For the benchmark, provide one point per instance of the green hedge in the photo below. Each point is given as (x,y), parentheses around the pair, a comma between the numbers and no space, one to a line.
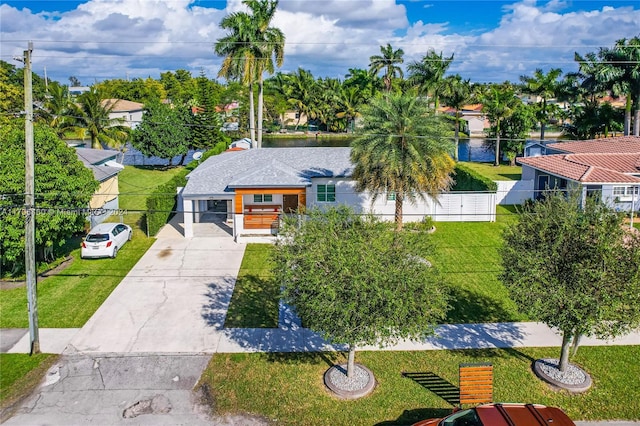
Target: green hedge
(470,180)
(162,203)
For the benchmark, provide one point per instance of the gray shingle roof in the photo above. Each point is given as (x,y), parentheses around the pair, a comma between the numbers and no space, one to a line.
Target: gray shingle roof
(266,167)
(94,160)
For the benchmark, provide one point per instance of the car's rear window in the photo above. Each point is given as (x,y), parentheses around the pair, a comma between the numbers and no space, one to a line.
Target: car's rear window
(97,238)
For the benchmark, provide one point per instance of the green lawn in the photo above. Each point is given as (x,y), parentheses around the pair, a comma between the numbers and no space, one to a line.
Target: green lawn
(465,253)
(69,298)
(20,372)
(255,297)
(288,388)
(136,183)
(502,172)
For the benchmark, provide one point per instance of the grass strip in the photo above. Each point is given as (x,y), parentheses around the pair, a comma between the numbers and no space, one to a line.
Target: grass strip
(20,374)
(502,172)
(255,299)
(288,388)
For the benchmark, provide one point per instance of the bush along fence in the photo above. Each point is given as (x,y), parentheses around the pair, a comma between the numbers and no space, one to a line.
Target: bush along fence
(467,179)
(162,203)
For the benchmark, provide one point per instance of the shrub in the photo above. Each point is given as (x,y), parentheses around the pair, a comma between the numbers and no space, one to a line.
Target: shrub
(467,179)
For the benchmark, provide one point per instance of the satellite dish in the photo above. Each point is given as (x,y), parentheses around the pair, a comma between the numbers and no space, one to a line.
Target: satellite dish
(197,155)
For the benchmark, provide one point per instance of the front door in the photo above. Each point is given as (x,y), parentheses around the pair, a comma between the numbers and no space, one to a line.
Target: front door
(543,185)
(289,203)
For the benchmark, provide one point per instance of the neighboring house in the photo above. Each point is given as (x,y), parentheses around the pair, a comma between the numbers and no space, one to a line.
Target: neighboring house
(252,188)
(535,149)
(294,118)
(241,144)
(130,112)
(103,163)
(476,120)
(609,167)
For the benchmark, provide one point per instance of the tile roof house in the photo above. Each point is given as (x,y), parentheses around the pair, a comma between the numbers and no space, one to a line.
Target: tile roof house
(610,167)
(252,188)
(103,163)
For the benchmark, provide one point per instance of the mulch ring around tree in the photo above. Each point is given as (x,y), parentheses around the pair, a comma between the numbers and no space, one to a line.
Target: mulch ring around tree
(361,384)
(11,284)
(574,379)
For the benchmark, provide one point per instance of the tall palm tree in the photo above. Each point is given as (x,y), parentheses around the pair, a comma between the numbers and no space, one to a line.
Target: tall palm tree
(92,114)
(58,109)
(388,62)
(623,73)
(300,93)
(403,150)
(250,50)
(456,94)
(544,86)
(499,103)
(427,74)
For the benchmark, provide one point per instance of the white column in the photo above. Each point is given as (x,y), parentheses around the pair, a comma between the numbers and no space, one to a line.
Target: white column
(188,218)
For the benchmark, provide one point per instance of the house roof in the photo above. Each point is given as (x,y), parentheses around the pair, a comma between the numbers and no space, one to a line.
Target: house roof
(616,145)
(266,167)
(122,105)
(589,168)
(98,160)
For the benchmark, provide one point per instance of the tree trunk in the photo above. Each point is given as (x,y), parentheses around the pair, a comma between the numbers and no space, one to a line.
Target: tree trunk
(497,162)
(627,116)
(398,212)
(351,361)
(95,143)
(457,137)
(252,115)
(564,353)
(574,346)
(636,118)
(544,117)
(260,112)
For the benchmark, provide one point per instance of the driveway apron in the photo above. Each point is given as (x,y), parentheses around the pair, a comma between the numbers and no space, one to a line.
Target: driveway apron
(174,300)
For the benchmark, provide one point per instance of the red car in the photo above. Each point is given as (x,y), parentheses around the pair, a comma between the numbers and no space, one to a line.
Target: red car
(503,415)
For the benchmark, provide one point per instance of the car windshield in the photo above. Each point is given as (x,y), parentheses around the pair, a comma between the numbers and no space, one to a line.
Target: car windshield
(462,418)
(97,238)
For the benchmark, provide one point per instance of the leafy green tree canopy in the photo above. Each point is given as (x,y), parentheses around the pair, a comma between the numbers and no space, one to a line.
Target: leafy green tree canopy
(164,131)
(356,282)
(63,185)
(573,266)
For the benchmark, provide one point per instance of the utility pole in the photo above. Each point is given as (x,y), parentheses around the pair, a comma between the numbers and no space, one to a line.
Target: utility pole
(29,206)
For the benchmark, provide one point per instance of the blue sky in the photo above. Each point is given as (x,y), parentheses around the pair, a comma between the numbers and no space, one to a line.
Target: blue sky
(492,40)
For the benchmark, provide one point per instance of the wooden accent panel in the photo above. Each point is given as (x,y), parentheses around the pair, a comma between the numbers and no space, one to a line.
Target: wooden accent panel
(240,192)
(476,383)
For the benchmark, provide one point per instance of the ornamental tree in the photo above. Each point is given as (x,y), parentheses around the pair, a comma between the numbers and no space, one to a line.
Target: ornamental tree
(63,186)
(356,282)
(164,131)
(571,264)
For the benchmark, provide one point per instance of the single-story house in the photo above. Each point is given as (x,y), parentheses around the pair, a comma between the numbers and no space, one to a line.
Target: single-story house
(252,188)
(476,120)
(103,163)
(130,112)
(609,167)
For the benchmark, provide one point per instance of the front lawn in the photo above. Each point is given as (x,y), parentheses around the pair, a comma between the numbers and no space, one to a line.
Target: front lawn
(20,374)
(69,298)
(288,388)
(502,172)
(465,252)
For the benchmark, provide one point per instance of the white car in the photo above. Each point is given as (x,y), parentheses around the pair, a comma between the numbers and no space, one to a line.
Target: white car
(105,240)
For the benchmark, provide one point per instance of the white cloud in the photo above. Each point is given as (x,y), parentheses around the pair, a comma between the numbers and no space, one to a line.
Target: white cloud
(139,38)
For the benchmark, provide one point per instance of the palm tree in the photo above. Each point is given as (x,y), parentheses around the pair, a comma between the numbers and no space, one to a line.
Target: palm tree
(92,114)
(350,101)
(250,50)
(427,75)
(403,150)
(300,88)
(623,74)
(387,61)
(544,86)
(499,102)
(456,94)
(58,109)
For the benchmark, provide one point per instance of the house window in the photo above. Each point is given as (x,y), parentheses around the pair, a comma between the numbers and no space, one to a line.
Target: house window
(391,196)
(326,193)
(262,198)
(625,192)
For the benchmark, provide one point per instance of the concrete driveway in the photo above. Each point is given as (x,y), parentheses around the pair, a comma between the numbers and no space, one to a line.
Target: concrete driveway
(174,300)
